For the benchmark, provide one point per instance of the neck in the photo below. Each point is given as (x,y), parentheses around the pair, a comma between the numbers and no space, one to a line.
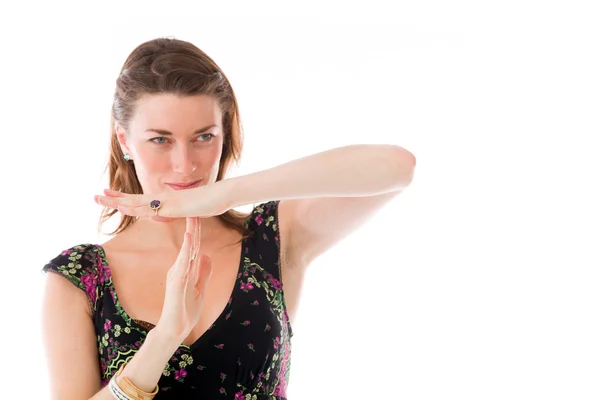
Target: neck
(153,234)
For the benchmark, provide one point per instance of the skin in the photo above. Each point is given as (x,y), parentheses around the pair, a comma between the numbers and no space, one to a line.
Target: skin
(313,217)
(308,226)
(140,257)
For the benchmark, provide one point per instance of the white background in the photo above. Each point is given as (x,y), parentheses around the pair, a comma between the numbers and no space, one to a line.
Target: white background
(480,281)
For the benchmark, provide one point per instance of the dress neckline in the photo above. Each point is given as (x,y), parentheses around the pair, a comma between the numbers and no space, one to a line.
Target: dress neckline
(147,326)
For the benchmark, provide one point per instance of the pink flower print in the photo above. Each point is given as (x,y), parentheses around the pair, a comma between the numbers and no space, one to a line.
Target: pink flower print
(259,219)
(220,346)
(107,325)
(200,367)
(245,323)
(223,377)
(267,327)
(180,374)
(89,282)
(239,363)
(251,346)
(276,343)
(223,391)
(277,238)
(254,303)
(246,287)
(276,284)
(239,396)
(103,271)
(228,315)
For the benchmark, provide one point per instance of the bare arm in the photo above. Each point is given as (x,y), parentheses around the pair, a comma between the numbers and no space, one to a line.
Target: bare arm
(72,350)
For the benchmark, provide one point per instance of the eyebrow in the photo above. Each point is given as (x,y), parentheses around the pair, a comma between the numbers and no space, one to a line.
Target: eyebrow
(167,133)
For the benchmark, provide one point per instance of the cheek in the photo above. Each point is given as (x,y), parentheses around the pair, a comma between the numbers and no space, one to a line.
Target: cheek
(211,161)
(214,156)
(150,160)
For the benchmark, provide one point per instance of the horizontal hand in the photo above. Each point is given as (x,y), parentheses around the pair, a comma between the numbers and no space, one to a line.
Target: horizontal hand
(204,201)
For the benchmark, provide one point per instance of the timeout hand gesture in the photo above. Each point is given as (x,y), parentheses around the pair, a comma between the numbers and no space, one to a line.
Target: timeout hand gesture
(204,201)
(186,286)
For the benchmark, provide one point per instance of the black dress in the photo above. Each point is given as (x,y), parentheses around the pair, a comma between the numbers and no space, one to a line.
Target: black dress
(245,354)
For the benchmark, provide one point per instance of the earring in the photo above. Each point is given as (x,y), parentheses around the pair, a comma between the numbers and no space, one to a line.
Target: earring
(126,156)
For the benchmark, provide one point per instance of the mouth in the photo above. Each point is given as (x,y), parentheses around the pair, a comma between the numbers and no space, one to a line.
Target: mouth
(184,185)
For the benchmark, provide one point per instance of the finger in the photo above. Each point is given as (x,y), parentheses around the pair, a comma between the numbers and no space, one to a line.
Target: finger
(196,247)
(183,259)
(125,200)
(190,227)
(113,193)
(196,251)
(137,211)
(198,235)
(191,230)
(193,272)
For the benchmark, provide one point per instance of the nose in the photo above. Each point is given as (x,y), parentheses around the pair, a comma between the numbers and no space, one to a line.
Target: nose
(182,161)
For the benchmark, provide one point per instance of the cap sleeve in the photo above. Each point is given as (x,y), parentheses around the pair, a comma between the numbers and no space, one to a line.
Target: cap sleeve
(264,222)
(80,266)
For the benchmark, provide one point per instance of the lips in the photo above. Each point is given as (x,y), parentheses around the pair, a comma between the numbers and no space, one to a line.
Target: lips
(184,185)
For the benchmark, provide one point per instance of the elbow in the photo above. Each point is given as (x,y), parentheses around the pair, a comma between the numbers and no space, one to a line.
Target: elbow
(404,167)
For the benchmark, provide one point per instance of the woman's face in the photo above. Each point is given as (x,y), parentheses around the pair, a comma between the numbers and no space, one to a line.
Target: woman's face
(174,141)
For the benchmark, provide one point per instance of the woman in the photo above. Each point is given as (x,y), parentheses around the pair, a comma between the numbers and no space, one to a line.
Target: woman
(187,299)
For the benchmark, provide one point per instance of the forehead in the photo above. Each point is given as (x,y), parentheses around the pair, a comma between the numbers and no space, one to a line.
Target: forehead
(169,111)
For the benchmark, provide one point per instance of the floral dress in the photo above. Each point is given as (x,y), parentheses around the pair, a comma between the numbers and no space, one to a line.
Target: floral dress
(245,354)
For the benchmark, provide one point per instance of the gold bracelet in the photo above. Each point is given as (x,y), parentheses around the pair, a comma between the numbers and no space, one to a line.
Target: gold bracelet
(130,389)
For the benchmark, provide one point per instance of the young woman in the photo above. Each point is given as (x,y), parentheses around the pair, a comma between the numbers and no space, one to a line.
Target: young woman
(191,299)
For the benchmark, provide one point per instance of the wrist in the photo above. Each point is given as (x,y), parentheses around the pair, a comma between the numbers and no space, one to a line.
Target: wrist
(145,369)
(161,338)
(225,192)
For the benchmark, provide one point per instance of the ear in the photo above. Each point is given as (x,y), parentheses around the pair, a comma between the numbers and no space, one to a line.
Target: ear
(122,138)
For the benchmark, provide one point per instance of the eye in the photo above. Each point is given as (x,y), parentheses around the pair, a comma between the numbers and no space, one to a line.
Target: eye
(206,137)
(159,140)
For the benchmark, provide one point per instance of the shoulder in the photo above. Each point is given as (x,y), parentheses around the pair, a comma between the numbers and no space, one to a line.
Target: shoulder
(80,264)
(73,260)
(263,224)
(265,214)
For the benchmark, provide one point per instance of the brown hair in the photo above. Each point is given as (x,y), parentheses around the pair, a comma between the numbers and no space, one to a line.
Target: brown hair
(167,65)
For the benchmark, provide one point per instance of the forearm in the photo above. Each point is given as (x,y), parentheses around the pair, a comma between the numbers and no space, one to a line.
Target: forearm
(146,367)
(351,171)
